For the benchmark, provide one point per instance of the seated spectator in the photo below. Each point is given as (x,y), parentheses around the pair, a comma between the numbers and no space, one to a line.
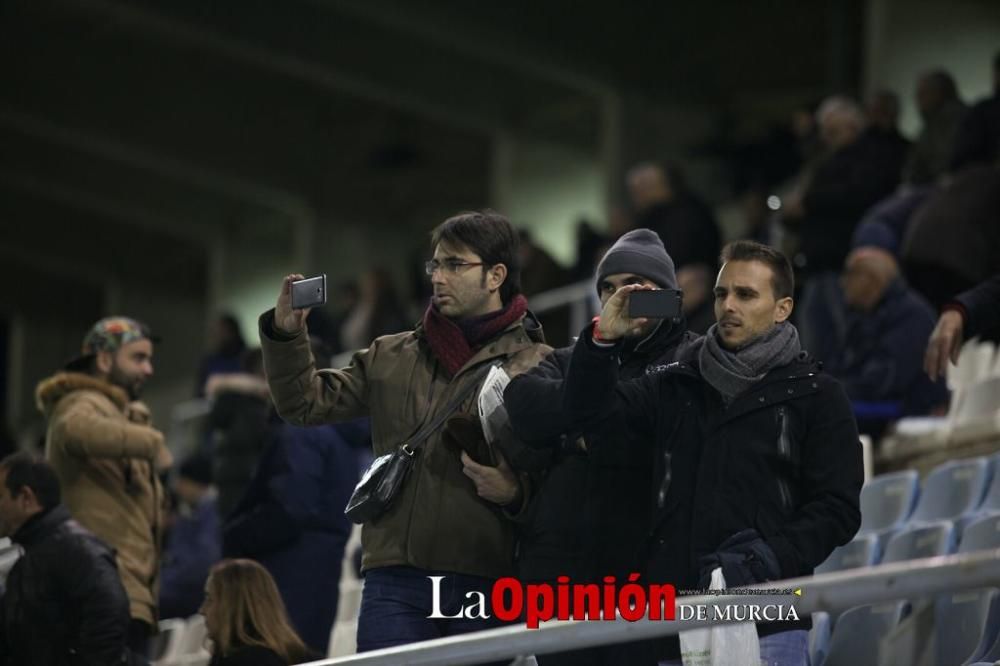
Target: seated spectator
(977,141)
(227,350)
(888,325)
(291,518)
(64,602)
(686,225)
(942,110)
(194,543)
(882,109)
(246,620)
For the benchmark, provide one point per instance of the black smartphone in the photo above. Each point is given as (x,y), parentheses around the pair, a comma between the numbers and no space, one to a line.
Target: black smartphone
(655,304)
(309,293)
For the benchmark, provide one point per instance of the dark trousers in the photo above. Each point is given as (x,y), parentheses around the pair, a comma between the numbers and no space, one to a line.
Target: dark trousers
(138,640)
(397,601)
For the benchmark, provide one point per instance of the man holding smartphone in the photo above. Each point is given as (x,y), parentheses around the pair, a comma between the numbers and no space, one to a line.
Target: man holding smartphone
(763,468)
(589,518)
(437,525)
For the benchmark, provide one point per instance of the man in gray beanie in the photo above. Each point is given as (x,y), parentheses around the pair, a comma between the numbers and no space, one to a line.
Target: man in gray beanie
(588,519)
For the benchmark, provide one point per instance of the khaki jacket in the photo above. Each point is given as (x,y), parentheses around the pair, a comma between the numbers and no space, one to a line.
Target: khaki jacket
(102,448)
(438,522)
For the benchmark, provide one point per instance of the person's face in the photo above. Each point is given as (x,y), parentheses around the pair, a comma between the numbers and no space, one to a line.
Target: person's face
(469,290)
(745,305)
(189,492)
(859,285)
(130,367)
(14,510)
(612,283)
(837,130)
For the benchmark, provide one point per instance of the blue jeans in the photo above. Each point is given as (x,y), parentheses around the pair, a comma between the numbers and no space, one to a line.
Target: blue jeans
(397,601)
(786,648)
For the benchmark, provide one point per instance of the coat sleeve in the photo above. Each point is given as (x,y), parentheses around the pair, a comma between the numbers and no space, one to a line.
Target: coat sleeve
(535,398)
(829,513)
(85,431)
(588,396)
(982,307)
(304,396)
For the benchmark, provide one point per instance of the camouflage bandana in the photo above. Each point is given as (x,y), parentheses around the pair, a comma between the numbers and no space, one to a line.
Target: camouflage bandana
(110,334)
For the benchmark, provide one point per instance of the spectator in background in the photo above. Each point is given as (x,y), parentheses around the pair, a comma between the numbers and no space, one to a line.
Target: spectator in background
(106,453)
(882,109)
(860,169)
(238,429)
(588,245)
(291,518)
(64,602)
(974,313)
(662,202)
(977,141)
(539,271)
(952,241)
(378,311)
(698,302)
(227,347)
(879,360)
(246,620)
(194,542)
(941,110)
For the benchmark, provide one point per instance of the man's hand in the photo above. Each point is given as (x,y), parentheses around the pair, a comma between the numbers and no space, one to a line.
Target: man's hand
(164,460)
(944,344)
(287,320)
(497,484)
(615,322)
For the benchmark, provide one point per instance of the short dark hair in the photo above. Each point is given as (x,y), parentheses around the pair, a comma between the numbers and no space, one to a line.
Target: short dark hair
(782,277)
(27,470)
(490,235)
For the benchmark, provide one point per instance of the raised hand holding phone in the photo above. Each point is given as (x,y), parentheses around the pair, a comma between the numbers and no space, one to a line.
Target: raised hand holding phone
(287,319)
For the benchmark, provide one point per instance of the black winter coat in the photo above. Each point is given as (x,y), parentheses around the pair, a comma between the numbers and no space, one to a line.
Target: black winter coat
(574,524)
(783,458)
(981,307)
(64,604)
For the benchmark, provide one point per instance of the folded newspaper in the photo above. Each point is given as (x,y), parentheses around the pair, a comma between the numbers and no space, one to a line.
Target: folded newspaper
(491,399)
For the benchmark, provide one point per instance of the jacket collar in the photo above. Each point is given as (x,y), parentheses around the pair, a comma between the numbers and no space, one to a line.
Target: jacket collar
(50,391)
(520,335)
(41,525)
(788,382)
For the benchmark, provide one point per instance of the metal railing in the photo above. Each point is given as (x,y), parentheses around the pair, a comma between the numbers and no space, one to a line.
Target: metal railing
(831,592)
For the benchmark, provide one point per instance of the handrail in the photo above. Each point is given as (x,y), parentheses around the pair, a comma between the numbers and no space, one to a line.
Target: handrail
(831,592)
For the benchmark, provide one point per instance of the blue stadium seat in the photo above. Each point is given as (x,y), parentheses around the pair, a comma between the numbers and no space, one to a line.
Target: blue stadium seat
(982,533)
(862,551)
(856,636)
(953,490)
(819,639)
(921,541)
(887,500)
(966,625)
(991,503)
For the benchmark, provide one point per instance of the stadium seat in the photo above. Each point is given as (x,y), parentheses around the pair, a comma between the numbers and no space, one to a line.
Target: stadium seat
(819,639)
(953,490)
(966,625)
(888,500)
(982,533)
(855,638)
(921,541)
(862,551)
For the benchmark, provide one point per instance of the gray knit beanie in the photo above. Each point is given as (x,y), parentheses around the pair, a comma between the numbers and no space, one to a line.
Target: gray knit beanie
(641,252)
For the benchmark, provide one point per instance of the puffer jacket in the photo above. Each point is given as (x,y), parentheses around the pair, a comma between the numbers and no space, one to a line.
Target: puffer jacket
(64,604)
(103,448)
(438,522)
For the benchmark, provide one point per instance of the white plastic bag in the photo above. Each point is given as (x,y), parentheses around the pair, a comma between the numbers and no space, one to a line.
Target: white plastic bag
(725,645)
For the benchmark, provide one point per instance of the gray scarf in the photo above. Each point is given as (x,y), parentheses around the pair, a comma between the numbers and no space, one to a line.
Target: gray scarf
(733,372)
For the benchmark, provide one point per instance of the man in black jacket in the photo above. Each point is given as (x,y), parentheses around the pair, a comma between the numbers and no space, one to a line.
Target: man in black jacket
(590,514)
(762,461)
(64,604)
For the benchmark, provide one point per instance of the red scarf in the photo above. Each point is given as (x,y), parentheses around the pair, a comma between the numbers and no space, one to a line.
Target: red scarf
(454,343)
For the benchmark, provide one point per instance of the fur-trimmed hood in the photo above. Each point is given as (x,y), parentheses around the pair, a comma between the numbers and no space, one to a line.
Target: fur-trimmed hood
(50,391)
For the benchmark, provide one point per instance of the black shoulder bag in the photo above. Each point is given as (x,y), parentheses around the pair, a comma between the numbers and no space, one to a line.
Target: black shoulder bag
(381,482)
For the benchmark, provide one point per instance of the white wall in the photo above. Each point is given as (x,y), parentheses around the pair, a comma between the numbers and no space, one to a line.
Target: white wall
(907,37)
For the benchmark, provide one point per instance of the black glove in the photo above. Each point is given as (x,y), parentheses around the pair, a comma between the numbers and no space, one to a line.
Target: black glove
(745,560)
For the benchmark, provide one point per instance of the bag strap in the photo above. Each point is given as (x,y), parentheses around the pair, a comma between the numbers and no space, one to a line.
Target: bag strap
(415,442)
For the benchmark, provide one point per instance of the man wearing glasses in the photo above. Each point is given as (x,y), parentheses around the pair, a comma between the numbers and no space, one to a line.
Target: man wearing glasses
(439,524)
